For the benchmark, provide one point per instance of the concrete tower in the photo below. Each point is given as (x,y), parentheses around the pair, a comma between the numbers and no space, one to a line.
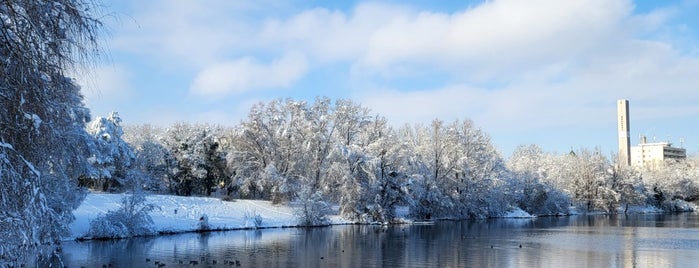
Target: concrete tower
(622,110)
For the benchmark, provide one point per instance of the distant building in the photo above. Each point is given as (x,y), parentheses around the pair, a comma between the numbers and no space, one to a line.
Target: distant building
(653,155)
(648,155)
(622,111)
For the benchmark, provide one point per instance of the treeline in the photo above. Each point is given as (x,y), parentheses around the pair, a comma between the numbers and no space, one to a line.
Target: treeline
(593,182)
(338,153)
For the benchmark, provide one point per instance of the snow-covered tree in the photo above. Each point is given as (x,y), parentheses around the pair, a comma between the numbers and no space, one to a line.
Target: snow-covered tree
(530,187)
(200,164)
(457,172)
(112,158)
(626,181)
(318,140)
(431,165)
(589,180)
(297,139)
(479,175)
(674,181)
(154,161)
(270,140)
(42,118)
(376,182)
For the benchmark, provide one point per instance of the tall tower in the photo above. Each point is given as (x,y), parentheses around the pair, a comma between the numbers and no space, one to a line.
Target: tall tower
(622,110)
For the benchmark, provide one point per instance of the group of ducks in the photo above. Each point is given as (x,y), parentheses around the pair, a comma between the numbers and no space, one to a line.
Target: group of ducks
(195,262)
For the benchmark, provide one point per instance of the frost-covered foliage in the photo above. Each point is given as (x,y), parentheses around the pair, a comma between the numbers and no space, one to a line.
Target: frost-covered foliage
(631,190)
(131,219)
(312,209)
(593,183)
(374,188)
(458,173)
(284,146)
(368,166)
(675,180)
(112,159)
(200,165)
(184,159)
(42,116)
(323,152)
(204,223)
(252,219)
(588,181)
(155,162)
(530,188)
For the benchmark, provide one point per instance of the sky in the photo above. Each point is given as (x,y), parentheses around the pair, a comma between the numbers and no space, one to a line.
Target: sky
(544,72)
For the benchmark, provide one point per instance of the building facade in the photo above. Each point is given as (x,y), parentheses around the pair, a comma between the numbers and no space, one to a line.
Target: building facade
(654,155)
(648,155)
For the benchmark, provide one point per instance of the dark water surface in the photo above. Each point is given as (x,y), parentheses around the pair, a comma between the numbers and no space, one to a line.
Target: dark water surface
(650,240)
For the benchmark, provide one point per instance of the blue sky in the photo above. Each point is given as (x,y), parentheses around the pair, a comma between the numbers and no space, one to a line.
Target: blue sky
(544,72)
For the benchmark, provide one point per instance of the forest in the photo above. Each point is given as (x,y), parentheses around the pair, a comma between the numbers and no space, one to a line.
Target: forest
(326,152)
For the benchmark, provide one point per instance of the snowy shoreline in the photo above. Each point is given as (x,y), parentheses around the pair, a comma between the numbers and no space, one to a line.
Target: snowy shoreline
(178,214)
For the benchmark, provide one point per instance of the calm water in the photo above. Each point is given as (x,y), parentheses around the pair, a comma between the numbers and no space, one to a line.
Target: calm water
(654,240)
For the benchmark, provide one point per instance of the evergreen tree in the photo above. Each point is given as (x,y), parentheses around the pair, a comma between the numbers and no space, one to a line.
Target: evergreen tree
(113,159)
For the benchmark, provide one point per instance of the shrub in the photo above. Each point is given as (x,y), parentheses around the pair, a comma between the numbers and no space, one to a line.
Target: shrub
(312,210)
(204,223)
(252,219)
(131,219)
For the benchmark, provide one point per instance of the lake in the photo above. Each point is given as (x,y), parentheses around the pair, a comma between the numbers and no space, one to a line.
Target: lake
(642,240)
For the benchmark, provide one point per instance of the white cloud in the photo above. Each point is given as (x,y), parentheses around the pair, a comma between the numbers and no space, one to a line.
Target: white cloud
(495,38)
(328,35)
(659,82)
(105,82)
(510,65)
(189,33)
(503,110)
(246,74)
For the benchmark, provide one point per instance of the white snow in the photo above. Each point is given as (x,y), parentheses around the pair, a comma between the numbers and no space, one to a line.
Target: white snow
(518,213)
(181,214)
(640,209)
(6,145)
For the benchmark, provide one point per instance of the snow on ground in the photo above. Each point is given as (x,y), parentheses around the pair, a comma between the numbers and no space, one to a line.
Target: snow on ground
(182,214)
(176,214)
(640,209)
(517,213)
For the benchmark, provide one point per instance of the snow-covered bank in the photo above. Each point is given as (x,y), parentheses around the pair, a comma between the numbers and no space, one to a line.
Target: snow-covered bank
(182,214)
(177,214)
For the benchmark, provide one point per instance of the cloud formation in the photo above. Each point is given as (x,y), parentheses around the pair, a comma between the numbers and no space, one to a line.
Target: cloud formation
(246,74)
(510,65)
(105,82)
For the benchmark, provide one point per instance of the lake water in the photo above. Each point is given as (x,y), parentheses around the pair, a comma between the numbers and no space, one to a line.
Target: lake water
(650,240)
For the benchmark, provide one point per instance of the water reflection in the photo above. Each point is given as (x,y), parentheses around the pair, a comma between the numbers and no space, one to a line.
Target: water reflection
(654,240)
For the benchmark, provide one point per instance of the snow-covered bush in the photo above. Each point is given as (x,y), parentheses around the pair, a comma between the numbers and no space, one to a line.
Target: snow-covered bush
(252,219)
(204,223)
(131,219)
(108,226)
(312,210)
